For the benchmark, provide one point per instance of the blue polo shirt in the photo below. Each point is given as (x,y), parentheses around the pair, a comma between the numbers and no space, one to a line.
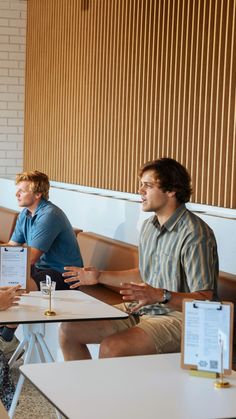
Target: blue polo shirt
(50,231)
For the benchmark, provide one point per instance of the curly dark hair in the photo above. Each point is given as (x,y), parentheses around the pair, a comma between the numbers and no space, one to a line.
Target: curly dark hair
(172,177)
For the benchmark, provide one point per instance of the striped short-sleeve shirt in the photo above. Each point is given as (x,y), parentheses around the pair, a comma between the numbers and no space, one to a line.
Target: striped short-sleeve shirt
(181,255)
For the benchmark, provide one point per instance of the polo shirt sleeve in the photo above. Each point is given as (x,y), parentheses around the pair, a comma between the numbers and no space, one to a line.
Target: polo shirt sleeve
(200,263)
(46,230)
(18,235)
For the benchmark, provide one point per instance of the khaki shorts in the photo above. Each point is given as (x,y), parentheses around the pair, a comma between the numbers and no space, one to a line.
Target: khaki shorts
(165,329)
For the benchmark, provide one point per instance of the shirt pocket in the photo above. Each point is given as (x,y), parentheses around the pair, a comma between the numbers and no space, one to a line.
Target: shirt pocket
(167,269)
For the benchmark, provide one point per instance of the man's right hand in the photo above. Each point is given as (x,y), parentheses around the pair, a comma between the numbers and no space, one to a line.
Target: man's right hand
(82,276)
(9,297)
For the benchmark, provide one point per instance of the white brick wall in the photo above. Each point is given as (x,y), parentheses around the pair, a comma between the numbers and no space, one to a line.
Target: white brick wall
(12,85)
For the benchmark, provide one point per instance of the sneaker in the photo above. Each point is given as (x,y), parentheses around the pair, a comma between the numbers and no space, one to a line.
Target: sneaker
(8,348)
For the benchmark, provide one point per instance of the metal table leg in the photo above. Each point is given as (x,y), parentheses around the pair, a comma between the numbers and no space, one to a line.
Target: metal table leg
(33,341)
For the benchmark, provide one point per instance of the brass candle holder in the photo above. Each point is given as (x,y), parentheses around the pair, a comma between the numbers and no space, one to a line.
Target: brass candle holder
(50,312)
(221,383)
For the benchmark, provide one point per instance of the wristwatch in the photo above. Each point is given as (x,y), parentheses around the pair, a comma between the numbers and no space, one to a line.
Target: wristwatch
(166,296)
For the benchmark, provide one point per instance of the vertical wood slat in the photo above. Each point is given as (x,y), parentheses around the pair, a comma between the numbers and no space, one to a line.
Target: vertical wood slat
(111,84)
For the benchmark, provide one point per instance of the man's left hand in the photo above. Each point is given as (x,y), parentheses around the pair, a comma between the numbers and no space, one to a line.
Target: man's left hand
(143,293)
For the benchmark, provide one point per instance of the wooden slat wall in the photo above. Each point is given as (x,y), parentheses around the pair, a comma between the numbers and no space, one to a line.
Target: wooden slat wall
(111,84)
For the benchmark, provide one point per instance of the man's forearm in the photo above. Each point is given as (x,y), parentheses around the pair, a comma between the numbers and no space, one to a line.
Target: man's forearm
(178,297)
(146,294)
(115,278)
(12,243)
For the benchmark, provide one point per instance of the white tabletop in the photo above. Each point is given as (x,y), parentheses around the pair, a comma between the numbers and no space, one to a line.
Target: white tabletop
(68,305)
(132,387)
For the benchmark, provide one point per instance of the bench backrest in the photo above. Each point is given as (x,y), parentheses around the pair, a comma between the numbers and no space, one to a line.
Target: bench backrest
(227,287)
(105,253)
(8,219)
(108,255)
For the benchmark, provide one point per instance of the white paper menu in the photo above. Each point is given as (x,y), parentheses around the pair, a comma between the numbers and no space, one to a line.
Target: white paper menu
(207,332)
(13,265)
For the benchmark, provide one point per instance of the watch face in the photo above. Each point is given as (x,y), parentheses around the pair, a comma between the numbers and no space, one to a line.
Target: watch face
(166,296)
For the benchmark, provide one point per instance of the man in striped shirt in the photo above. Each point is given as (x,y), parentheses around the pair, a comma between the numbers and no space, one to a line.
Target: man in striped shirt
(177,259)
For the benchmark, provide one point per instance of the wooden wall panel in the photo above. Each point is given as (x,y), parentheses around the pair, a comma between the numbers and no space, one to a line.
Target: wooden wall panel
(111,84)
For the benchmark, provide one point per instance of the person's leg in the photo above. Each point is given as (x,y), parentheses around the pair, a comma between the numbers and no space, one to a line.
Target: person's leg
(74,336)
(38,275)
(153,334)
(8,331)
(9,346)
(7,388)
(133,341)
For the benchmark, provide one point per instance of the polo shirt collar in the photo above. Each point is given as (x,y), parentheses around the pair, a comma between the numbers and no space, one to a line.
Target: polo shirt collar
(172,221)
(40,205)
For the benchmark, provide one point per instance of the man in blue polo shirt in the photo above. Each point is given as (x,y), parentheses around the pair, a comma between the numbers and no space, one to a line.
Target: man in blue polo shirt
(46,229)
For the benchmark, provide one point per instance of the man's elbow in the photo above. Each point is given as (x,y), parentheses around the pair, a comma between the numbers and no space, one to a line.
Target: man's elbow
(35,256)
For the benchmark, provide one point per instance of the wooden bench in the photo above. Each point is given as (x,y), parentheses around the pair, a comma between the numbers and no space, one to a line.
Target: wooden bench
(8,219)
(109,254)
(106,254)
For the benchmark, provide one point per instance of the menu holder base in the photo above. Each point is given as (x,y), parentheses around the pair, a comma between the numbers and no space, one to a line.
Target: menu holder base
(204,374)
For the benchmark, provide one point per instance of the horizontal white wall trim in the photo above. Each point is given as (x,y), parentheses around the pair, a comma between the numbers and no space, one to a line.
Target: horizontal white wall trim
(198,208)
(119,216)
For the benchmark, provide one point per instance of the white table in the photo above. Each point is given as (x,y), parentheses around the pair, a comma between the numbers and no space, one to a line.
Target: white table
(138,387)
(69,306)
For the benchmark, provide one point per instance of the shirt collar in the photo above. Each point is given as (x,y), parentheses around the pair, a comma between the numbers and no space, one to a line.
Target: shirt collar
(40,205)
(172,221)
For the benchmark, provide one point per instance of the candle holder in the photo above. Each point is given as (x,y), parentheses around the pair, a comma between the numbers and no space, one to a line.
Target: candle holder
(50,312)
(221,383)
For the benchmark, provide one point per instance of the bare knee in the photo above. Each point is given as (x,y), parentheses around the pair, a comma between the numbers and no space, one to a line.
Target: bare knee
(66,333)
(111,347)
(70,341)
(133,341)
(77,332)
